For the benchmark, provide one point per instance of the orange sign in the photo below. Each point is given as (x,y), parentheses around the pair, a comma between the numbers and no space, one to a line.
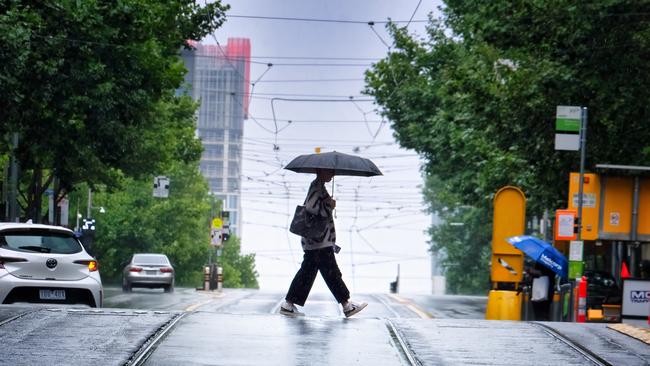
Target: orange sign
(565,224)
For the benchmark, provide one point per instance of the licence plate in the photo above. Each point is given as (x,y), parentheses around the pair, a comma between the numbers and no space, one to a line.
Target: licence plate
(151,272)
(51,294)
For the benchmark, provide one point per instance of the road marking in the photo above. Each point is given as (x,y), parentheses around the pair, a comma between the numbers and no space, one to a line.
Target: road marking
(387,305)
(214,296)
(411,306)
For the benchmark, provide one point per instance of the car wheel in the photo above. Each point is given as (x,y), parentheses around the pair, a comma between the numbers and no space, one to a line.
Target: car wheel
(169,288)
(126,287)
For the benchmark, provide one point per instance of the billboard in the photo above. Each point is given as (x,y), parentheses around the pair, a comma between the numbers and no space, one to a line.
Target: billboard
(636,298)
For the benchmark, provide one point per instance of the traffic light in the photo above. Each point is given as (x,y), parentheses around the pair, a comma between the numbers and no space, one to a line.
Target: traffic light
(225,234)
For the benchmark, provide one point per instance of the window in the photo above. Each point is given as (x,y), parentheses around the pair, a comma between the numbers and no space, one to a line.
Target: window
(212,135)
(235,135)
(233,218)
(233,169)
(213,152)
(232,202)
(153,259)
(234,150)
(216,184)
(212,168)
(233,184)
(40,241)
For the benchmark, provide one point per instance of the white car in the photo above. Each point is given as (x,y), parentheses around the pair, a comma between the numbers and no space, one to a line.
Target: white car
(46,264)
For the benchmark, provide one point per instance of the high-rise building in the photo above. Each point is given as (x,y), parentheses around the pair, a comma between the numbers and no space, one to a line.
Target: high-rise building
(219,78)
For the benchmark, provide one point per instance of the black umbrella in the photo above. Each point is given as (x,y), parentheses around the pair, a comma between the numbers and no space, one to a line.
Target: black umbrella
(341,164)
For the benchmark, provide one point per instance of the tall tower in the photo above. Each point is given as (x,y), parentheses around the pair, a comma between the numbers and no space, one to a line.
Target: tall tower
(219,78)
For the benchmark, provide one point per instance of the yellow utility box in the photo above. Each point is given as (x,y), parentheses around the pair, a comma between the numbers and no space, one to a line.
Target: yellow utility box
(509,220)
(644,210)
(590,204)
(503,305)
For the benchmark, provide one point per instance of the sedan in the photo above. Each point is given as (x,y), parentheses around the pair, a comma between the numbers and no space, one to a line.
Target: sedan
(148,270)
(46,264)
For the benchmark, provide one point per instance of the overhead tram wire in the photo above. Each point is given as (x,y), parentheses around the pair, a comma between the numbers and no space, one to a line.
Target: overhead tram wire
(316,20)
(414,11)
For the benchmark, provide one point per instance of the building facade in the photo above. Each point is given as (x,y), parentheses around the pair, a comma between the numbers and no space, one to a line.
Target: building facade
(219,78)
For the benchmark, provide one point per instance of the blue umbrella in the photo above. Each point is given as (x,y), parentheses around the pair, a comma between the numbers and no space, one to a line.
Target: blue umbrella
(542,252)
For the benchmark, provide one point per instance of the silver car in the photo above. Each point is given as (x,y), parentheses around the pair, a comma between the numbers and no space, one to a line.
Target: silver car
(46,264)
(148,270)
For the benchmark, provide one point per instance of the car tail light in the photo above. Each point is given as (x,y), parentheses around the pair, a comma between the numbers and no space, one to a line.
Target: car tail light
(166,270)
(135,269)
(4,260)
(92,264)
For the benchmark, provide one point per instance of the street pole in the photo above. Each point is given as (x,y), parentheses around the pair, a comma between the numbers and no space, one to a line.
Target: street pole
(583,154)
(90,203)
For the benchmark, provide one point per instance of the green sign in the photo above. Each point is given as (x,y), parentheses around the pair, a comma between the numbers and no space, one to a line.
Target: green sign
(575,269)
(568,120)
(567,125)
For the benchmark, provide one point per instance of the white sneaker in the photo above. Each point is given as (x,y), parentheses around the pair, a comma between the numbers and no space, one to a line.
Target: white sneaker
(290,310)
(352,308)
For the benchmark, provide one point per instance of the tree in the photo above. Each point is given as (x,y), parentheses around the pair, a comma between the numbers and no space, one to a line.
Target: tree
(87,84)
(137,222)
(238,270)
(477,98)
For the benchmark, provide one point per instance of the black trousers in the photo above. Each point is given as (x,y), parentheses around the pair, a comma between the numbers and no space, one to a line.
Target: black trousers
(322,260)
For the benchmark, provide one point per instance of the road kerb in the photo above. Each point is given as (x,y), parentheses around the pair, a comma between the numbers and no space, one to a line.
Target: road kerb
(642,334)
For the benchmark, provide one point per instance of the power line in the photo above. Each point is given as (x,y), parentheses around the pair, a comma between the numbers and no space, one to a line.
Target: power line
(414,11)
(309,80)
(317,20)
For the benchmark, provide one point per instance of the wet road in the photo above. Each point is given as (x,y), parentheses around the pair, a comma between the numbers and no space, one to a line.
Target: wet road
(242,327)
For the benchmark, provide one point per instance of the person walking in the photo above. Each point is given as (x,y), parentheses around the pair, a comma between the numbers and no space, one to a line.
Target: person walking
(319,255)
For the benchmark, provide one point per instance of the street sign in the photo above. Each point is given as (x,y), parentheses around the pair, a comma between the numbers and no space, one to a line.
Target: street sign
(161,187)
(575,250)
(568,121)
(217,223)
(216,239)
(564,225)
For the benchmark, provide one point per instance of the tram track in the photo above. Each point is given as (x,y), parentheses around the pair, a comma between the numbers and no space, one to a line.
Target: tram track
(579,348)
(141,356)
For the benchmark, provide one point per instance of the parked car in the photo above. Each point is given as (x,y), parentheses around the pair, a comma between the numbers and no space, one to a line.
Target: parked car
(46,264)
(602,289)
(148,270)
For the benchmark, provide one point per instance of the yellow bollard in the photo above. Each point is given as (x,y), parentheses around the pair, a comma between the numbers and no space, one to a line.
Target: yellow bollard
(503,305)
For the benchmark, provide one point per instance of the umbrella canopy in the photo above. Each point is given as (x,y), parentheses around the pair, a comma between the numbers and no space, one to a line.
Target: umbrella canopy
(542,252)
(341,164)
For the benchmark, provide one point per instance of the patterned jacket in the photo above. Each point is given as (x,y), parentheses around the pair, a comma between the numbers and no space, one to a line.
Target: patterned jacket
(316,203)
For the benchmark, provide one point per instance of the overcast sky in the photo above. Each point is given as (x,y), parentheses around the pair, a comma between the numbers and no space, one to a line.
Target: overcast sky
(381,220)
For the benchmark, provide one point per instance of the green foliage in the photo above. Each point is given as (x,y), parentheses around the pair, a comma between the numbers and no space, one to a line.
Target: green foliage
(89,87)
(477,98)
(238,270)
(137,222)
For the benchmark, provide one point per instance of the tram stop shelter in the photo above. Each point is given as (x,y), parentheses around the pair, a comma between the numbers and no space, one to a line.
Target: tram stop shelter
(615,220)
